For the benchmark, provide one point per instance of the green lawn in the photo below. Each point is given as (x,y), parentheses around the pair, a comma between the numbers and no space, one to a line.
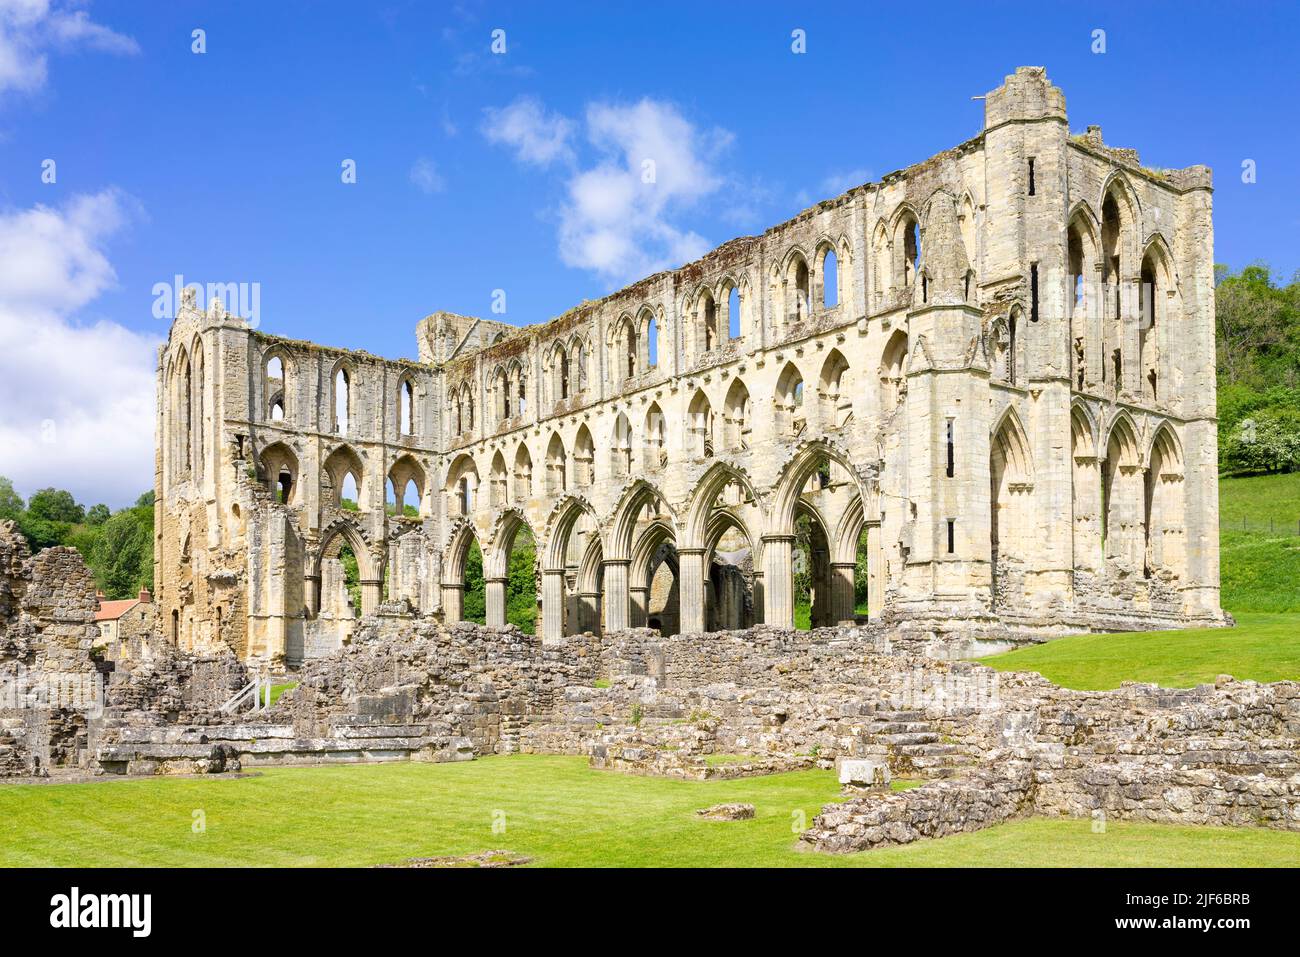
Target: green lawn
(1260,570)
(1260,576)
(555,810)
(1263,647)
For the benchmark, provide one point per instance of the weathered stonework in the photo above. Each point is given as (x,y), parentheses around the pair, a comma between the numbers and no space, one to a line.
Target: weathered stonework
(999,363)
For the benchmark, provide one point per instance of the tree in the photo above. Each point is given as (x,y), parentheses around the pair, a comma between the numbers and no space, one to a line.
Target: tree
(98,514)
(122,557)
(55,505)
(11,503)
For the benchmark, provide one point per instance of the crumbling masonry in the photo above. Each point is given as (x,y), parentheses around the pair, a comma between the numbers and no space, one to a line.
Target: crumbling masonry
(998,363)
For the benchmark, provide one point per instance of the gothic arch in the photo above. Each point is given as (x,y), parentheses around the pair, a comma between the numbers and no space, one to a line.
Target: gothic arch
(636,496)
(801,465)
(338,464)
(496,561)
(703,500)
(560,524)
(459,539)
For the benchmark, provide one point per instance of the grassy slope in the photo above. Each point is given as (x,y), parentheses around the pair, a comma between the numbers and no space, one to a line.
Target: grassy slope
(557,810)
(1261,587)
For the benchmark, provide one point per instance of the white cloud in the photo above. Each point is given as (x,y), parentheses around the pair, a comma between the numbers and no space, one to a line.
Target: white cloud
(425,175)
(76,399)
(537,137)
(840,182)
(647,166)
(29,28)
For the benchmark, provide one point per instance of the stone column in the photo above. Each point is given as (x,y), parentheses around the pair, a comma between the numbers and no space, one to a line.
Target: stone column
(690,594)
(778,583)
(875,570)
(616,595)
(640,604)
(496,602)
(589,603)
(453,602)
(311,594)
(757,597)
(553,604)
(372,593)
(842,595)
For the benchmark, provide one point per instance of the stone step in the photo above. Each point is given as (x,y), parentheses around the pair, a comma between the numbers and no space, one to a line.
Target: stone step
(899,715)
(908,740)
(898,727)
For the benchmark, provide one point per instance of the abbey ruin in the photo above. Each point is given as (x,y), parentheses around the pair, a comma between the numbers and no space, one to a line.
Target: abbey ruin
(993,371)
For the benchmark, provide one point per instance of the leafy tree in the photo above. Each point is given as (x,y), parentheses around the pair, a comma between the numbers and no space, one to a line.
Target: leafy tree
(475,602)
(11,503)
(521,590)
(98,514)
(122,556)
(55,505)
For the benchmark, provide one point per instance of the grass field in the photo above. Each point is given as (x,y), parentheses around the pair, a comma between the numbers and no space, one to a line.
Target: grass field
(555,810)
(1263,647)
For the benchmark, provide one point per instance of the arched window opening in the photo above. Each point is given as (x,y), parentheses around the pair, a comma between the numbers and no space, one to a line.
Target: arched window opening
(911,251)
(655,452)
(499,481)
(700,425)
(556,466)
(830,280)
(652,342)
(584,458)
(621,448)
(893,384)
(788,401)
(737,417)
(406,408)
(561,361)
(802,299)
(836,398)
(523,474)
(349,493)
(733,313)
(275,388)
(708,315)
(1148,334)
(342,401)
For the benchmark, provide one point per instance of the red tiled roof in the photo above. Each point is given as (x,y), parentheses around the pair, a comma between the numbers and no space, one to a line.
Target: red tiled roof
(113,610)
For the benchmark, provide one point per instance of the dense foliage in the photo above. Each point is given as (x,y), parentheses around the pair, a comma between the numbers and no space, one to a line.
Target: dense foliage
(118,546)
(1258,371)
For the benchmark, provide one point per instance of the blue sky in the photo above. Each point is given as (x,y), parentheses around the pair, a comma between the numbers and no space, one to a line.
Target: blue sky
(479,171)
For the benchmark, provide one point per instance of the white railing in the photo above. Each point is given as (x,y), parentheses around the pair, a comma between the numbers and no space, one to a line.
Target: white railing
(256,693)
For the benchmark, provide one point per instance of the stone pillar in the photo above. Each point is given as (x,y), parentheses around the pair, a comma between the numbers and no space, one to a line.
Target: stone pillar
(589,605)
(616,595)
(372,593)
(640,604)
(778,583)
(842,595)
(311,594)
(496,602)
(553,604)
(875,570)
(690,594)
(453,601)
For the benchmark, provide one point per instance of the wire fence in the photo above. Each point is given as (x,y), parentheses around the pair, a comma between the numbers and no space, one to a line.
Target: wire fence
(1270,526)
